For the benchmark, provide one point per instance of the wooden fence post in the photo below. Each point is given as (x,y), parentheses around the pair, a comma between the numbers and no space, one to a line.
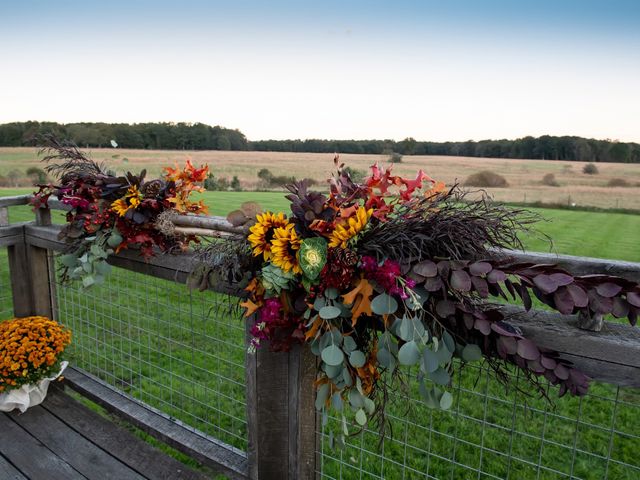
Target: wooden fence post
(42,267)
(32,275)
(281,415)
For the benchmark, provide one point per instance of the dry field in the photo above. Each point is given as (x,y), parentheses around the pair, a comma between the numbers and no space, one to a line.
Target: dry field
(524,176)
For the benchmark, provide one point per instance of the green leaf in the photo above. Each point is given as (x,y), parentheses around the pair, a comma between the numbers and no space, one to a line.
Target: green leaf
(336,401)
(88,281)
(471,353)
(409,354)
(357,359)
(331,293)
(103,268)
(333,371)
(384,304)
(322,395)
(349,344)
(332,355)
(446,401)
(361,417)
(384,357)
(355,399)
(68,260)
(346,377)
(405,329)
(430,360)
(115,239)
(318,303)
(369,405)
(449,342)
(440,376)
(329,312)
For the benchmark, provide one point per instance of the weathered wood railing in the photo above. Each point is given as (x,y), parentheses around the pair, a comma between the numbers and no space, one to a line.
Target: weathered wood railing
(281,419)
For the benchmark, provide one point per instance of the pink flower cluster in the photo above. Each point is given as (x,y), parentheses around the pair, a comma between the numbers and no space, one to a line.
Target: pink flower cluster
(386,275)
(270,315)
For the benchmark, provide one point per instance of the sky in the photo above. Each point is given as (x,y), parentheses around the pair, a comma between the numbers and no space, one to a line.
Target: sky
(432,70)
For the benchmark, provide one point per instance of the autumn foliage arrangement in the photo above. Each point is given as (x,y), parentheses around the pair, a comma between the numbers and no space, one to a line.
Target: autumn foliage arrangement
(109,213)
(396,273)
(31,349)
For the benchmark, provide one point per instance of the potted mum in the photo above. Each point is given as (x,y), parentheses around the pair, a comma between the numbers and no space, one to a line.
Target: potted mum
(30,358)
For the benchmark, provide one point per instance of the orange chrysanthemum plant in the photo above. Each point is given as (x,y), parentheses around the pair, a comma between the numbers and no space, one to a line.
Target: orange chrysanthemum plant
(31,349)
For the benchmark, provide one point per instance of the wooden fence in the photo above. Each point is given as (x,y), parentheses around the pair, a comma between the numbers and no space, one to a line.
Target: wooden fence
(281,418)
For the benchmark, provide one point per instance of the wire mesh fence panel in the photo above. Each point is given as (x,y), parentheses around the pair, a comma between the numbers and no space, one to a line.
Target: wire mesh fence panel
(490,433)
(179,351)
(6,298)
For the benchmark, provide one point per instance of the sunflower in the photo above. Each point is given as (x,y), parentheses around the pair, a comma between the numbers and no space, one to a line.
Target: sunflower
(131,199)
(346,231)
(284,249)
(262,232)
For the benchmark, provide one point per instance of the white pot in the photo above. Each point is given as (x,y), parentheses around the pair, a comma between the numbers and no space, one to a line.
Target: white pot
(28,395)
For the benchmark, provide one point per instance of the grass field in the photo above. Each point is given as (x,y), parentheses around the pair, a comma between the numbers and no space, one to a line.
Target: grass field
(169,348)
(524,176)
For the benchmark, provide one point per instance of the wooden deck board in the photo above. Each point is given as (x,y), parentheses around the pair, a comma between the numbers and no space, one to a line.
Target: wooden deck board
(79,452)
(30,456)
(63,439)
(120,443)
(8,471)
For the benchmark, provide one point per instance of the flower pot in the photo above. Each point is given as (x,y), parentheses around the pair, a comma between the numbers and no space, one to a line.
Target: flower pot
(28,395)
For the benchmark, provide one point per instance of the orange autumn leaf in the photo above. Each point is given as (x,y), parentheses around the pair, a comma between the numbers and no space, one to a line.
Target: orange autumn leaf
(250,306)
(360,300)
(437,188)
(314,329)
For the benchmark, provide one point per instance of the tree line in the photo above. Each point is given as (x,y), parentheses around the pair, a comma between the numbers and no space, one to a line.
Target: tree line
(199,136)
(152,136)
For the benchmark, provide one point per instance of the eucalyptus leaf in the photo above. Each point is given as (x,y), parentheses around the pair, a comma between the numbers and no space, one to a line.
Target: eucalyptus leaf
(331,293)
(449,342)
(357,359)
(333,371)
(369,405)
(409,354)
(336,401)
(440,376)
(471,353)
(318,303)
(329,312)
(332,355)
(405,330)
(384,304)
(430,360)
(356,399)
(349,344)
(361,417)
(446,401)
(68,260)
(322,396)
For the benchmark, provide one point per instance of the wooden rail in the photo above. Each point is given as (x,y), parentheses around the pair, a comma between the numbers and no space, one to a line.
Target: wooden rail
(281,418)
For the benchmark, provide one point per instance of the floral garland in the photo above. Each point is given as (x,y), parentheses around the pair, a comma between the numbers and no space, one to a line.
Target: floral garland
(110,213)
(395,273)
(30,350)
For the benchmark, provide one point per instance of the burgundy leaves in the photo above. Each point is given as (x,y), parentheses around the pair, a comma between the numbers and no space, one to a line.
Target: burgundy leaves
(593,294)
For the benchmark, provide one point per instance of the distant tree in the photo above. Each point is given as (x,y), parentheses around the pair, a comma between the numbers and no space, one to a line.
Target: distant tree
(14,176)
(550,180)
(37,174)
(590,169)
(235,184)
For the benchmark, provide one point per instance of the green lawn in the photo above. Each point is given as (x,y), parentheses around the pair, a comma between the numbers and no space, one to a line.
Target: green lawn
(183,353)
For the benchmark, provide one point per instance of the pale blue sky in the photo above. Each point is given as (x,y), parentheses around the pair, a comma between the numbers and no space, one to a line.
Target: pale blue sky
(452,70)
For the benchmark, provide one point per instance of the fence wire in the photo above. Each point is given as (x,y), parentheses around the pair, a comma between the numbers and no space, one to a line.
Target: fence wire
(493,434)
(177,351)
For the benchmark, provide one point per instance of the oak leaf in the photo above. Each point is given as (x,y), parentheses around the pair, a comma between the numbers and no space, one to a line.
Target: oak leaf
(360,300)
